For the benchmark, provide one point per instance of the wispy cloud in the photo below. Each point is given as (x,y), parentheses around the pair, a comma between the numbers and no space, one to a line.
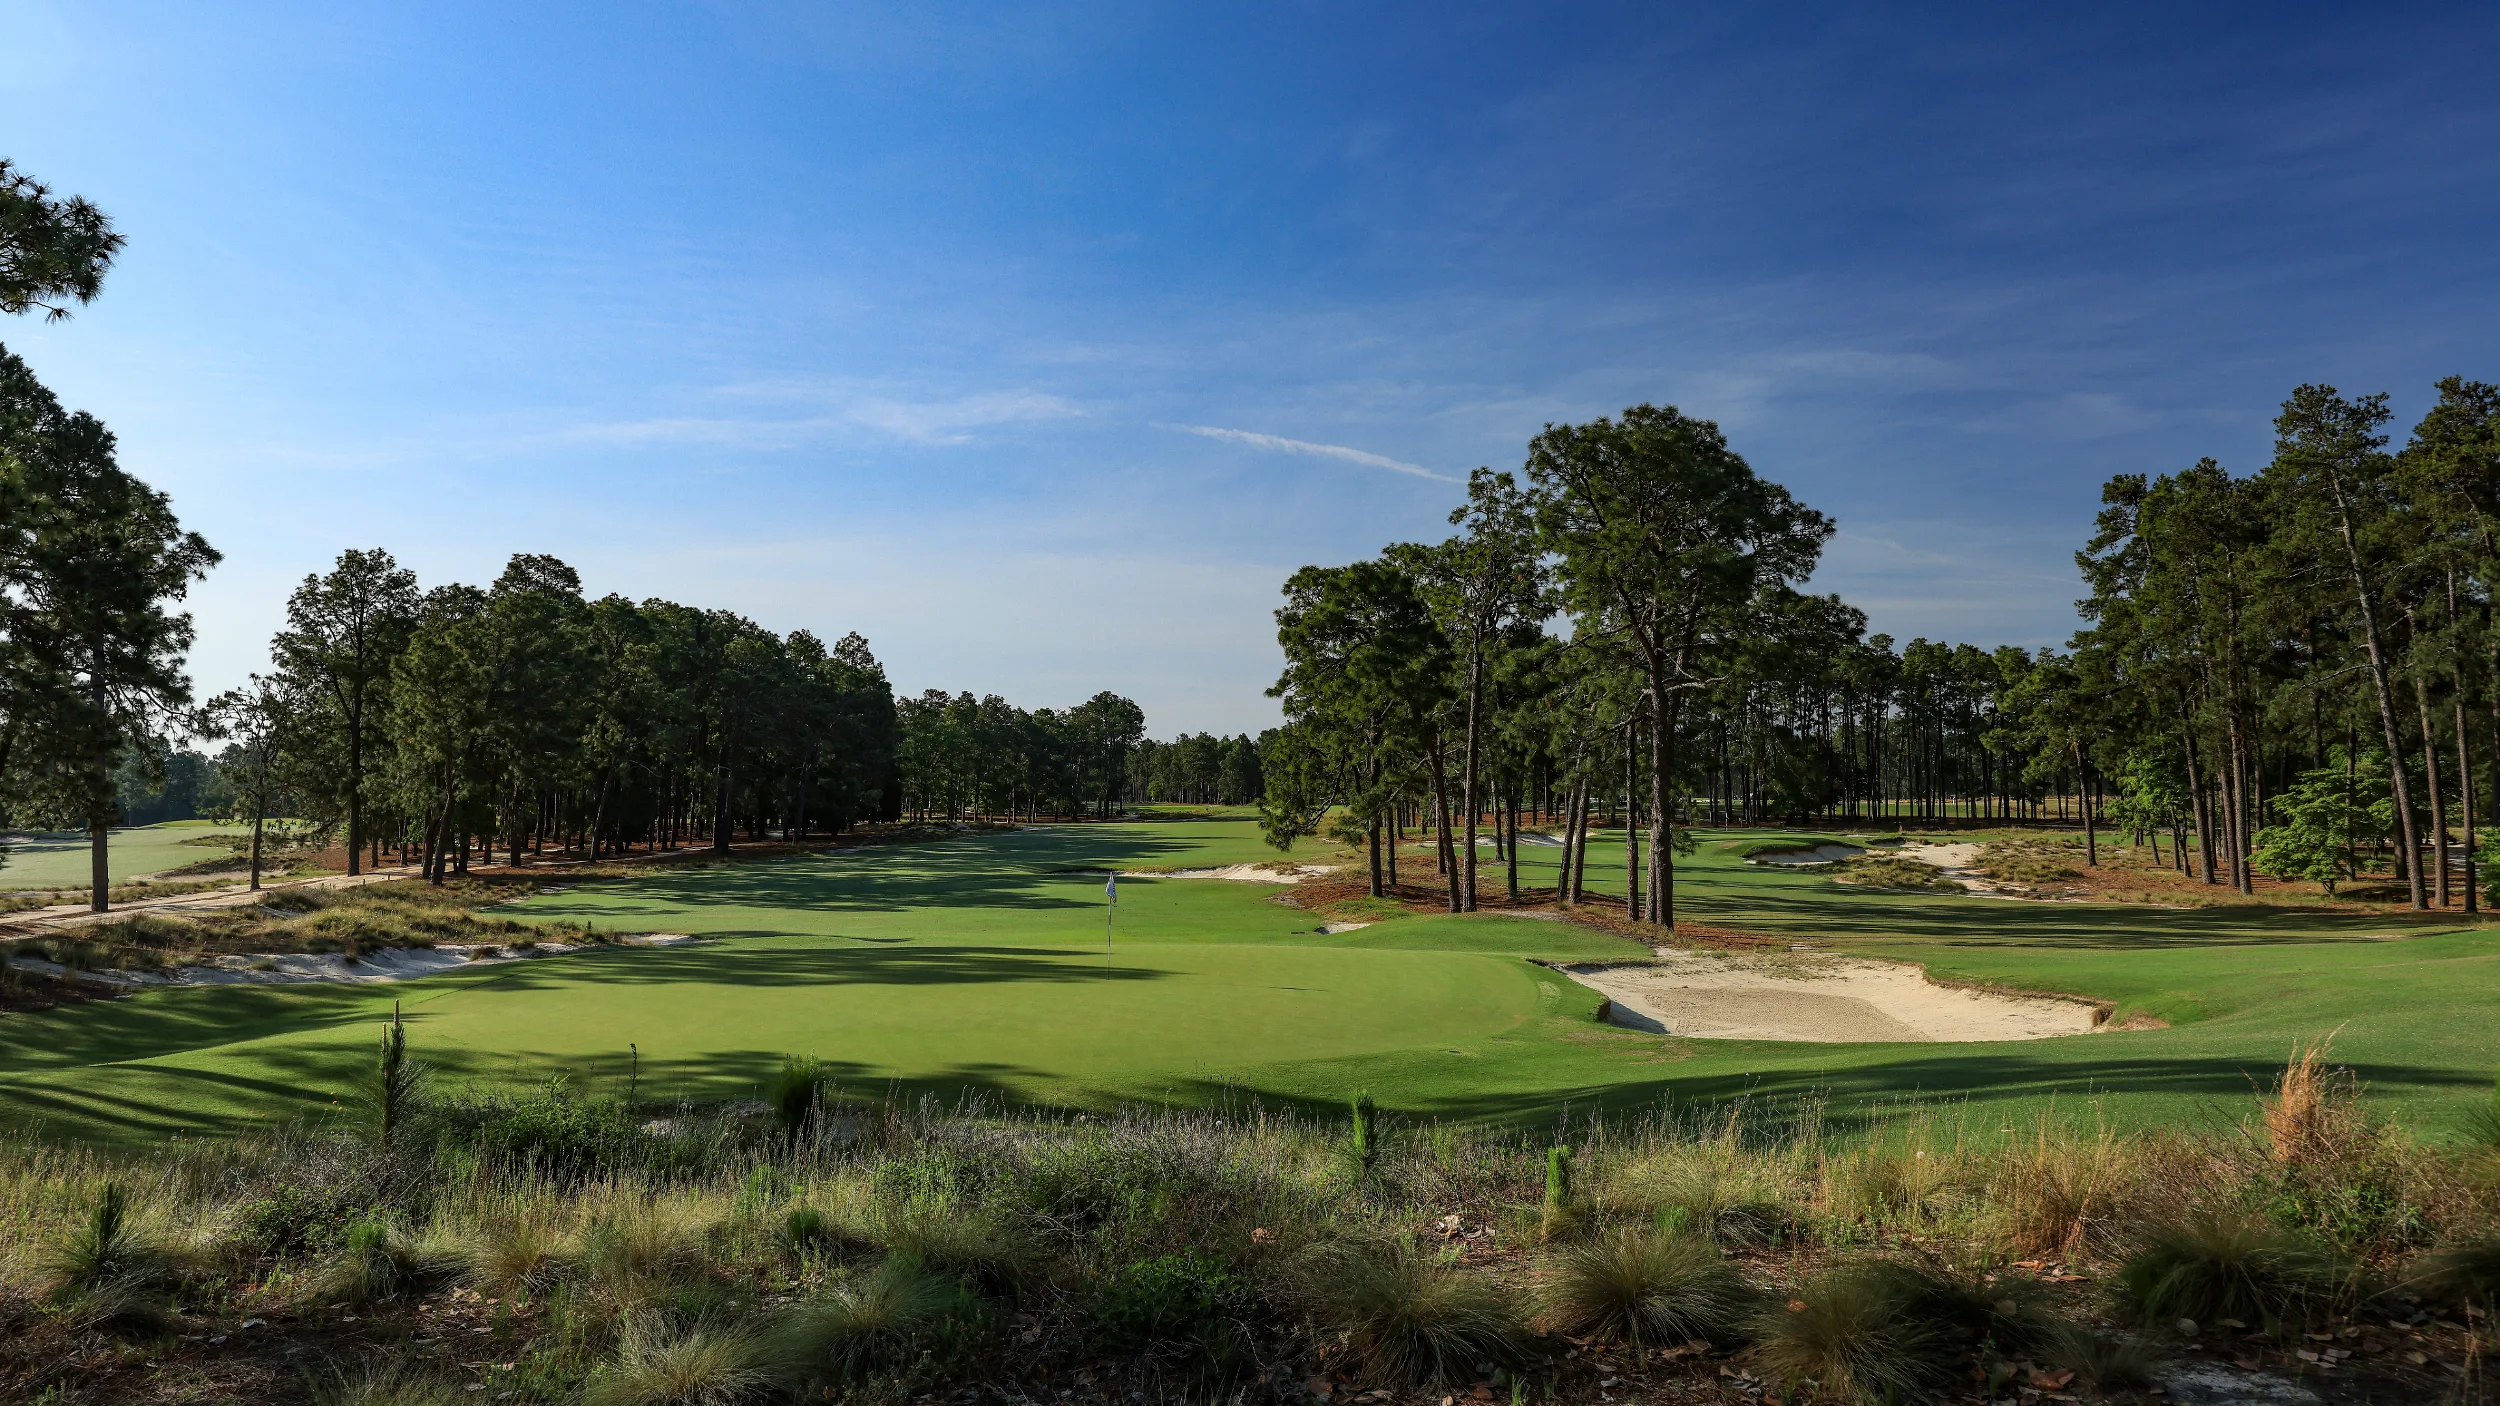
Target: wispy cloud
(949,420)
(1303,446)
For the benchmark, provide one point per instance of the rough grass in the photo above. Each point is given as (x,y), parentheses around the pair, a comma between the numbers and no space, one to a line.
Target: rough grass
(1876,869)
(906,1250)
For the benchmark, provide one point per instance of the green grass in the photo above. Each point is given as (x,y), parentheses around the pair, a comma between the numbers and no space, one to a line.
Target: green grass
(58,859)
(978,965)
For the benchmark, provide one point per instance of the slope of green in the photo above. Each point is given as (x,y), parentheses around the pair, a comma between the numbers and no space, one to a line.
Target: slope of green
(59,859)
(980,965)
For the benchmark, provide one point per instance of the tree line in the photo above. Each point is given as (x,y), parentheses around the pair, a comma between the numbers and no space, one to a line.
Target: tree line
(2299,666)
(447,723)
(1618,631)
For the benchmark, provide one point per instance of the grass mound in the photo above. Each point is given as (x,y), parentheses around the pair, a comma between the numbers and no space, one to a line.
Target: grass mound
(1876,869)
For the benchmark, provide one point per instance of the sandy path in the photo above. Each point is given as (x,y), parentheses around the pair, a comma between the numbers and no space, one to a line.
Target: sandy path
(241,895)
(1720,996)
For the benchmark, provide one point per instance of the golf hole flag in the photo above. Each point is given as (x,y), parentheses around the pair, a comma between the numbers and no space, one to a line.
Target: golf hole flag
(1111,887)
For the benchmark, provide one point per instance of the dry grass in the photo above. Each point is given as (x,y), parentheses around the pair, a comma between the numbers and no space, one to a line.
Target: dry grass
(903,1250)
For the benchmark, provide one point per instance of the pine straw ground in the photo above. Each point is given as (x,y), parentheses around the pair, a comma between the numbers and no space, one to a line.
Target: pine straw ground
(555,1247)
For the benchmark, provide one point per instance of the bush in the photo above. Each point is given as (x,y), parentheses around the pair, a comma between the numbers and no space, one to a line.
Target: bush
(552,1131)
(1125,1176)
(294,1220)
(1188,1298)
(1412,1319)
(1645,1290)
(2212,1265)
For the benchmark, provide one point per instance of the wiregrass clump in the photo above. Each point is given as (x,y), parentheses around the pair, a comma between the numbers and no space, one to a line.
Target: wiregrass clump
(2212,1264)
(1645,1289)
(1410,1317)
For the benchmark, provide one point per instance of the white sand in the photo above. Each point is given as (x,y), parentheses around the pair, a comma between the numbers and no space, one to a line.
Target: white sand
(1245,873)
(1722,996)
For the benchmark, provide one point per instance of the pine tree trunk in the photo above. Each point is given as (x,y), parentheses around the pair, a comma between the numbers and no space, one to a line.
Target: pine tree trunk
(2407,836)
(2465,795)
(2430,778)
(1441,820)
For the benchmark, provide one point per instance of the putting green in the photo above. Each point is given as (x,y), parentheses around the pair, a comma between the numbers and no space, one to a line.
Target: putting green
(980,965)
(59,859)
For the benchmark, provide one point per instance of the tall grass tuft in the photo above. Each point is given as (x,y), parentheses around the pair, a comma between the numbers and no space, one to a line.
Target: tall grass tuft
(2213,1264)
(867,1322)
(1856,1333)
(1645,1289)
(2483,1124)
(377,1261)
(2464,1273)
(517,1245)
(794,1093)
(2308,1114)
(657,1363)
(379,1384)
(1412,1319)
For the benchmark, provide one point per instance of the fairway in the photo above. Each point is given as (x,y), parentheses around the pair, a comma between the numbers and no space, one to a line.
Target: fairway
(60,858)
(980,965)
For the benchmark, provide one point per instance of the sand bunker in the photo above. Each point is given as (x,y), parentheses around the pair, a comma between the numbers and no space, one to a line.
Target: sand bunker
(1245,873)
(1739,996)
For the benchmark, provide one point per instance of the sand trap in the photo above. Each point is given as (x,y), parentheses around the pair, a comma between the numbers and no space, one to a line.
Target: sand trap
(1952,856)
(1820,854)
(1723,996)
(1245,873)
(388,964)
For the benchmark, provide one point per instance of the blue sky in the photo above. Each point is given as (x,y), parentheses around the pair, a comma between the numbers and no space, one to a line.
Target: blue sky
(1039,344)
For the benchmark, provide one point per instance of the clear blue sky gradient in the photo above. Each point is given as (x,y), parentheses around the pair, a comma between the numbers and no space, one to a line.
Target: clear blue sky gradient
(918,321)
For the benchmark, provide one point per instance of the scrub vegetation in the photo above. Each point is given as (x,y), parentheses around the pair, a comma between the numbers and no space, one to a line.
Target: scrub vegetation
(558,1245)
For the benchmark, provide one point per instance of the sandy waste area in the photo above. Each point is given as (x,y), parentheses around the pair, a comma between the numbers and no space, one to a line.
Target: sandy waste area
(385,964)
(1816,998)
(1245,873)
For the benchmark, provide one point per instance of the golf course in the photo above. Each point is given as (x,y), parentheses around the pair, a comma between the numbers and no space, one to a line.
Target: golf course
(984,965)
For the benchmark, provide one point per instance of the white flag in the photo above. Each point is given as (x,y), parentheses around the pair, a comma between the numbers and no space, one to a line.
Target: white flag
(1111,887)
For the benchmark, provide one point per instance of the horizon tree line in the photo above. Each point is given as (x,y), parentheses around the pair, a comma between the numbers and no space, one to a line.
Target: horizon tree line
(1619,629)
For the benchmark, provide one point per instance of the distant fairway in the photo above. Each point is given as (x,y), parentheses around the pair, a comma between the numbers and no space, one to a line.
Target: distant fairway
(978,965)
(59,859)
